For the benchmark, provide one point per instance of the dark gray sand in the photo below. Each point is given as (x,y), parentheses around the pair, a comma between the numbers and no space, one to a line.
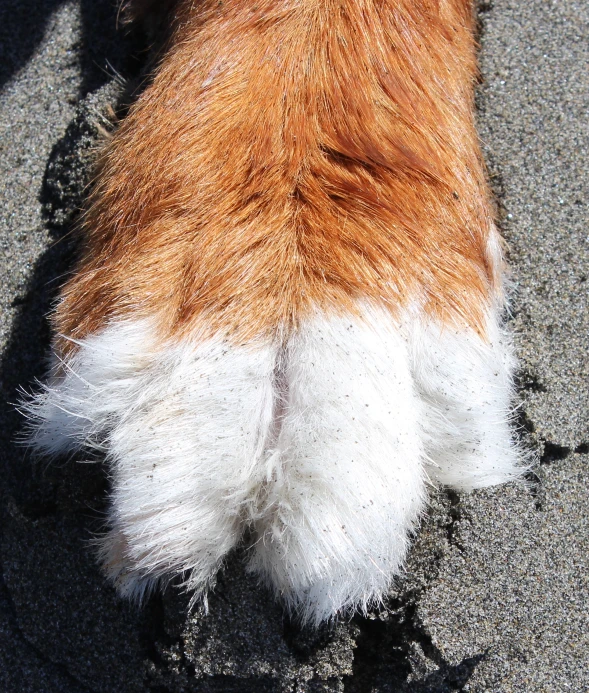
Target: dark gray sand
(496,592)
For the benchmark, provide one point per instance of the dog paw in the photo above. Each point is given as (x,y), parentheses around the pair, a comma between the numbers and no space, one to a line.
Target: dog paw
(322,443)
(285,314)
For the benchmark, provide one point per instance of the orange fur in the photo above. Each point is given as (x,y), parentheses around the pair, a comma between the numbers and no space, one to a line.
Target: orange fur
(290,156)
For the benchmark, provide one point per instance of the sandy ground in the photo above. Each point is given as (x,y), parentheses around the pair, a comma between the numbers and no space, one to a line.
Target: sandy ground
(496,592)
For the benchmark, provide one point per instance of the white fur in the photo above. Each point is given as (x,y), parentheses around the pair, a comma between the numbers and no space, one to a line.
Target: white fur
(320,444)
(182,427)
(345,483)
(467,388)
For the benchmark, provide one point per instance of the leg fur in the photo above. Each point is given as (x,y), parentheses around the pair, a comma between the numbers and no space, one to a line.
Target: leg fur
(309,172)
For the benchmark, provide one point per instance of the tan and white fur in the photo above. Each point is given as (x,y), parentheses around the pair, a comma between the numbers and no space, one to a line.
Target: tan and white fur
(287,313)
